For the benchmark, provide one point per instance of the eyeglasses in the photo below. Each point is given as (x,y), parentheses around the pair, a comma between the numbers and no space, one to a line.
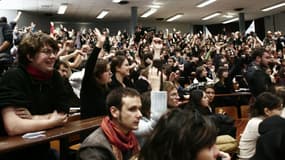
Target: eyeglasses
(48,51)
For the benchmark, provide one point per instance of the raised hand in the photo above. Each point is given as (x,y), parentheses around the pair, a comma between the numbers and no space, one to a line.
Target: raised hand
(154,78)
(100,38)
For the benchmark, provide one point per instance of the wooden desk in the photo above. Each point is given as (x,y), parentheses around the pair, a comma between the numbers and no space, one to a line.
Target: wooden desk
(11,143)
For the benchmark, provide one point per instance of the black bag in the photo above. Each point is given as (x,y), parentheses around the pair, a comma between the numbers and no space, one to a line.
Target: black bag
(225,124)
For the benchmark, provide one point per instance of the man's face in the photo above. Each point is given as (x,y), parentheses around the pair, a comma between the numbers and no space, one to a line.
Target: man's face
(63,71)
(265,59)
(129,116)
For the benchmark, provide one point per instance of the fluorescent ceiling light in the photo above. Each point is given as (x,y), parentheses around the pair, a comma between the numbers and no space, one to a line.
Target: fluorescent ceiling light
(62,8)
(149,12)
(211,16)
(228,16)
(230,21)
(205,3)
(116,1)
(154,6)
(102,14)
(174,17)
(273,7)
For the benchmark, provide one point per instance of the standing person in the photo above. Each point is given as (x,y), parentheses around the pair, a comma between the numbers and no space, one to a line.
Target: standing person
(94,87)
(114,139)
(266,105)
(258,80)
(32,95)
(178,129)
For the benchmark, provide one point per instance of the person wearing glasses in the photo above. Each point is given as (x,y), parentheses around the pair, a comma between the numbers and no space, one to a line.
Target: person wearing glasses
(32,96)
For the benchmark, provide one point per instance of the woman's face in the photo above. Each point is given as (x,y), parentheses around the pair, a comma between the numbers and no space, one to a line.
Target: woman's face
(225,74)
(106,77)
(173,98)
(208,153)
(204,100)
(124,69)
(44,60)
(210,92)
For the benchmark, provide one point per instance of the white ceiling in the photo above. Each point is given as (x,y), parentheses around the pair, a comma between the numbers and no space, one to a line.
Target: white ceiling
(89,9)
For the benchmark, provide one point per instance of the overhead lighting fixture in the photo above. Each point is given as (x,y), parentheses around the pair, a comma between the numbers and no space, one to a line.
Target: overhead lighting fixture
(116,1)
(211,16)
(102,14)
(170,19)
(62,8)
(205,3)
(149,12)
(154,6)
(228,16)
(230,21)
(273,7)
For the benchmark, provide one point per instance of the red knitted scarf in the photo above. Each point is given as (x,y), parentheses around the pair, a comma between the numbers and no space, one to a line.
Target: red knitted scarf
(116,137)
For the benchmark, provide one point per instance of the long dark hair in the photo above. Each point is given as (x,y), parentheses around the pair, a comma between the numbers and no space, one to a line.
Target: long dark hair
(179,135)
(265,100)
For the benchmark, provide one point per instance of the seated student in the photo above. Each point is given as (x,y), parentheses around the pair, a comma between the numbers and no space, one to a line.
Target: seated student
(154,104)
(266,105)
(172,95)
(184,136)
(114,139)
(95,88)
(270,145)
(32,95)
(65,72)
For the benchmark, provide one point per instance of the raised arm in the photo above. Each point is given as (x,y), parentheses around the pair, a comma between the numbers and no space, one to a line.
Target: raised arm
(158,104)
(91,62)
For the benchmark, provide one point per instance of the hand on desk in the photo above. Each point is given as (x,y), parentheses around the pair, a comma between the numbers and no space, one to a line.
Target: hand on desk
(58,119)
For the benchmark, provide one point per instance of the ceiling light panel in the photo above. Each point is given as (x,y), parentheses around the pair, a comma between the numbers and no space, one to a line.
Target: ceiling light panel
(205,3)
(273,7)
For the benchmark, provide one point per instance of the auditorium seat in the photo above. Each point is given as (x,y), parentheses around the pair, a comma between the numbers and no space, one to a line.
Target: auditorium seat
(228,110)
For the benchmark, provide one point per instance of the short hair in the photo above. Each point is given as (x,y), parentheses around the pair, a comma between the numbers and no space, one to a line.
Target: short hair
(265,100)
(31,45)
(58,63)
(257,52)
(3,20)
(116,96)
(117,61)
(193,133)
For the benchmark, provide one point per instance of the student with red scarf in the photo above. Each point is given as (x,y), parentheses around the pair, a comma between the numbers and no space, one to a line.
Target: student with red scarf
(114,139)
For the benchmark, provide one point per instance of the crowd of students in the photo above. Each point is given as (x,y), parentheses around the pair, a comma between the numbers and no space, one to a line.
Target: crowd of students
(106,75)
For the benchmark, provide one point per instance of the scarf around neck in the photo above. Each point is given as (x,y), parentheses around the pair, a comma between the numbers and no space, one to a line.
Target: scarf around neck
(37,74)
(117,138)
